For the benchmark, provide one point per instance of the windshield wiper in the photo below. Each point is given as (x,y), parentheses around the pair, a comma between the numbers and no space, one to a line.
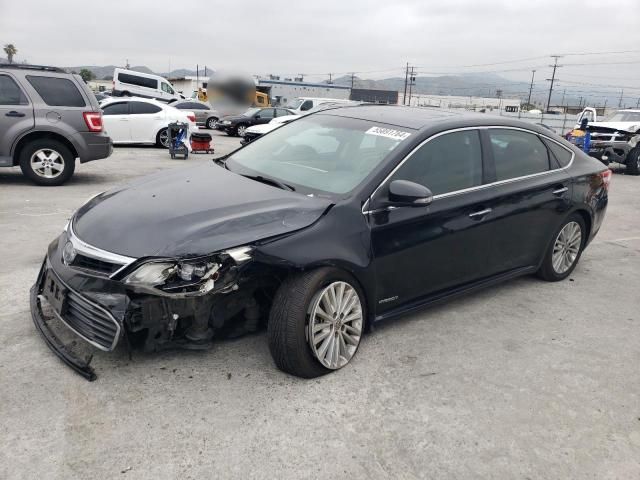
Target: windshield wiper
(271,181)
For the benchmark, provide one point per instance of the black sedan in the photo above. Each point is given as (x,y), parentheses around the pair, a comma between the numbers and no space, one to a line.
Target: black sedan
(319,230)
(237,124)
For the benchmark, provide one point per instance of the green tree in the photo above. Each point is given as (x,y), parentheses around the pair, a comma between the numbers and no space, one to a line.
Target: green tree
(10,50)
(87,75)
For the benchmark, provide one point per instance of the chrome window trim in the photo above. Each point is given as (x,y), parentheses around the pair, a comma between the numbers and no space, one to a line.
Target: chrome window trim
(470,189)
(116,337)
(97,253)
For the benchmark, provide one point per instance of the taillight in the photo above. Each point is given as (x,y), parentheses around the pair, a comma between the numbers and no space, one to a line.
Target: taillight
(93,121)
(192,118)
(605,175)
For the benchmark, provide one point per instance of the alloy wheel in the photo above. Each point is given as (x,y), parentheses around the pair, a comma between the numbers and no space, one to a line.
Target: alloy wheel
(47,163)
(212,123)
(164,138)
(335,325)
(566,247)
(241,130)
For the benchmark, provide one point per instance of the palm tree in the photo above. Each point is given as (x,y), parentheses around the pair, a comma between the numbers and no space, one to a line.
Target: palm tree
(10,50)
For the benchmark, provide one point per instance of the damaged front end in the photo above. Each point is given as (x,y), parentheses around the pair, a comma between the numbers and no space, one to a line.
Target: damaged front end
(147,303)
(611,145)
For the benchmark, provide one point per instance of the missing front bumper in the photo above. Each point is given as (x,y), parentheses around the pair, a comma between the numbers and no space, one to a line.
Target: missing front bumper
(54,342)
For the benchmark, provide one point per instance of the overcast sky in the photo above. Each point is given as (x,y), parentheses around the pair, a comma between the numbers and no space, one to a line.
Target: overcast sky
(314,37)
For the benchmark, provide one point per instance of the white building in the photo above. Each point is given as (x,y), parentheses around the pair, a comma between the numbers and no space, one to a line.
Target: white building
(188,84)
(282,91)
(467,103)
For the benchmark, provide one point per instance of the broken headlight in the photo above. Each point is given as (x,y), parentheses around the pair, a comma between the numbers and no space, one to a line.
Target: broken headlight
(189,277)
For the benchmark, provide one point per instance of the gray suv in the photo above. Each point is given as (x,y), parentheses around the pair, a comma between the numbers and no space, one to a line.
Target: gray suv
(48,119)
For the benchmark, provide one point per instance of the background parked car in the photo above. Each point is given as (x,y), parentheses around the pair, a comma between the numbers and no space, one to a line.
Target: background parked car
(127,83)
(256,131)
(237,124)
(205,115)
(48,118)
(140,120)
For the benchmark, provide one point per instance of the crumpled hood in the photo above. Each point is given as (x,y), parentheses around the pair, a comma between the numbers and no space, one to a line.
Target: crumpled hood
(623,126)
(193,211)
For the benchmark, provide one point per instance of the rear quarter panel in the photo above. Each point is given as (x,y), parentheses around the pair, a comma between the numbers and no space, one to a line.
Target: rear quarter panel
(589,191)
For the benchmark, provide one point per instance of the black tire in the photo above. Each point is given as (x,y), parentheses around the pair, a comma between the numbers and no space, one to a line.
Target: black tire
(158,141)
(211,123)
(126,94)
(288,320)
(239,127)
(547,271)
(633,161)
(47,145)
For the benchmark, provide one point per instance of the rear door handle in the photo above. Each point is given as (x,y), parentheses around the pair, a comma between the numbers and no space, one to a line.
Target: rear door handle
(13,113)
(560,191)
(480,213)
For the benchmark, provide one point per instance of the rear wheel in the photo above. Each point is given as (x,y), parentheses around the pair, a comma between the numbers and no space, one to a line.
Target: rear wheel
(564,252)
(162,138)
(211,123)
(316,322)
(47,162)
(633,161)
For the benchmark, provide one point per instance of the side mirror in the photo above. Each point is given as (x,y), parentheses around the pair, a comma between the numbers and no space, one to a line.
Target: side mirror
(406,193)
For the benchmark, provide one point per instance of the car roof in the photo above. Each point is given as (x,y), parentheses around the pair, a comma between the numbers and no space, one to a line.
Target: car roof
(418,118)
(132,99)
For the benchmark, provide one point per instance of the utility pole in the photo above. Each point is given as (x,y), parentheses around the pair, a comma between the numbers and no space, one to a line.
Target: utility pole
(353,77)
(638,103)
(197,76)
(331,78)
(533,74)
(620,101)
(406,76)
(553,77)
(564,92)
(412,80)
(127,65)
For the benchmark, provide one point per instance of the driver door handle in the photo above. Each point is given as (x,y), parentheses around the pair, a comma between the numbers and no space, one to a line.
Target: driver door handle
(13,113)
(560,191)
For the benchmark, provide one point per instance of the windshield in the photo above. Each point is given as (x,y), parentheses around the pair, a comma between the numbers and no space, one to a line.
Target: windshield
(323,153)
(622,116)
(294,103)
(251,112)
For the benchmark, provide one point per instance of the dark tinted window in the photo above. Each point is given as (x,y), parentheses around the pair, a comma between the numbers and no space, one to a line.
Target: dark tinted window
(517,153)
(306,105)
(266,113)
(60,92)
(281,112)
(139,81)
(561,154)
(139,108)
(191,106)
(10,93)
(445,164)
(116,109)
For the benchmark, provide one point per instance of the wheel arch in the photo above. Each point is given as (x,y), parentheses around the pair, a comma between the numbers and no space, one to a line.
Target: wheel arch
(39,135)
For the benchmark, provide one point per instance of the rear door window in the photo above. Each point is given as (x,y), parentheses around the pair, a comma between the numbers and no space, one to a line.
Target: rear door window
(10,92)
(141,108)
(517,153)
(266,113)
(121,108)
(282,112)
(57,92)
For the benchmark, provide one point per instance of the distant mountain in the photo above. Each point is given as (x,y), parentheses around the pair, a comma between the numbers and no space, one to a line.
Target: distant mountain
(471,84)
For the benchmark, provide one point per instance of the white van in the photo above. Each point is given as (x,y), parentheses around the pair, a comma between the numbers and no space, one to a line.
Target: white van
(302,104)
(129,83)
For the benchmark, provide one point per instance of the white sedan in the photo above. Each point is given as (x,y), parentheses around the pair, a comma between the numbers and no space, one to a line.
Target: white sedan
(140,120)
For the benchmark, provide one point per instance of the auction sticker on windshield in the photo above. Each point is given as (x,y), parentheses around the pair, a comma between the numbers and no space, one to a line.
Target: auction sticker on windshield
(388,132)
